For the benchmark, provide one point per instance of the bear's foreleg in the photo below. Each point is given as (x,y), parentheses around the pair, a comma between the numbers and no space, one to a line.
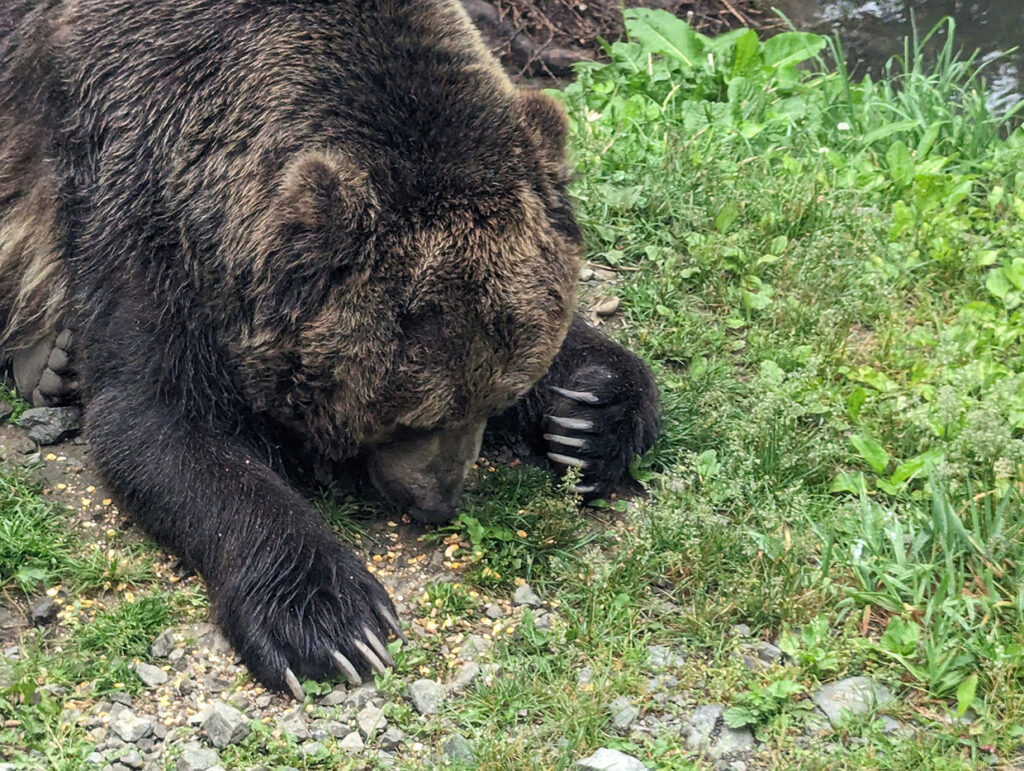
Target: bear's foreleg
(595,409)
(293,599)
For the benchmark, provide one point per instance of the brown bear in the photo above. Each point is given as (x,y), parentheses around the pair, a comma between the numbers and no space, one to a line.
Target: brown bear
(290,236)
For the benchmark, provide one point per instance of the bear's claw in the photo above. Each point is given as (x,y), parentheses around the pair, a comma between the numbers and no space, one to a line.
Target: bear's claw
(371,658)
(346,668)
(577,396)
(293,685)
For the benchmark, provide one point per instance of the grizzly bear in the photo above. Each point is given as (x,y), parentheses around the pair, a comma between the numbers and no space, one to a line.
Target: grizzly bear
(271,239)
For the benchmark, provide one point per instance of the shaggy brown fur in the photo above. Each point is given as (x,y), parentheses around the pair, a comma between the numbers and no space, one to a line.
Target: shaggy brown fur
(294,233)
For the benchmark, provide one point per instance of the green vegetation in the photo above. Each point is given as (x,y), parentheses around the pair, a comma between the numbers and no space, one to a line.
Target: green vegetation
(827,276)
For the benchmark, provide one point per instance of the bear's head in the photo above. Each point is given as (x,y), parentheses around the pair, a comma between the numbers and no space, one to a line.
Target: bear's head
(402,298)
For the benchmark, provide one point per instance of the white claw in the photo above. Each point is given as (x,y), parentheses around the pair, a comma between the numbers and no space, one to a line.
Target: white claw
(346,668)
(576,424)
(568,441)
(378,647)
(584,489)
(566,460)
(293,685)
(371,658)
(393,623)
(576,396)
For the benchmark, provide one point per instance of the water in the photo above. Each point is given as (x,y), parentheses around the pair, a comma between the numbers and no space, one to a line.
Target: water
(873,30)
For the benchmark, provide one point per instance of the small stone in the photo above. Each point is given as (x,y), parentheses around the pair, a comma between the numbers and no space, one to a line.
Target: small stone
(335,697)
(95,759)
(370,720)
(622,713)
(732,741)
(150,675)
(131,727)
(663,657)
(120,697)
(740,630)
(475,647)
(6,410)
(603,274)
(352,743)
(359,698)
(584,677)
(427,696)
(853,695)
(194,757)
(586,273)
(768,653)
(493,611)
(42,612)
(465,676)
(311,749)
(49,425)
(294,724)
(524,595)
(163,644)
(458,749)
(225,725)
(607,306)
(606,759)
(132,759)
(392,737)
(700,726)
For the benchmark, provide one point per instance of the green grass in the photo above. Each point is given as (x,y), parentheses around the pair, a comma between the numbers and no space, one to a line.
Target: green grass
(826,275)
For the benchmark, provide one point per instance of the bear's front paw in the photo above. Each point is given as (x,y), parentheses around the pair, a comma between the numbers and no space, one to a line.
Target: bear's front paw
(599,422)
(307,611)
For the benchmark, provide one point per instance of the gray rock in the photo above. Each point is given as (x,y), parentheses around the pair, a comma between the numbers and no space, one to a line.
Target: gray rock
(457,748)
(853,695)
(524,595)
(95,759)
(131,727)
(767,652)
(475,647)
(427,696)
(225,725)
(163,644)
(370,720)
(335,697)
(196,758)
(392,737)
(42,612)
(663,657)
(740,630)
(606,759)
(622,713)
(465,676)
(586,273)
(700,726)
(294,724)
(352,743)
(311,749)
(132,759)
(150,675)
(359,698)
(49,425)
(493,611)
(732,741)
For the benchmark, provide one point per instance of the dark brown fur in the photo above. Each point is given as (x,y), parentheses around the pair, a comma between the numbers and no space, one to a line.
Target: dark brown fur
(290,233)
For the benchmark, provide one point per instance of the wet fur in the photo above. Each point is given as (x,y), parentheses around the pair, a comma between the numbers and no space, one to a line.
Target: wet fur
(281,230)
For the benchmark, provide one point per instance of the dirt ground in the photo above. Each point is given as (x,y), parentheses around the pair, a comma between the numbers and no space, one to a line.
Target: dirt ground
(544,38)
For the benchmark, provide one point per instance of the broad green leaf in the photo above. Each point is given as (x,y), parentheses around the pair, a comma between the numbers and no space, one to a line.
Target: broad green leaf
(900,636)
(661,32)
(965,694)
(726,216)
(791,48)
(925,462)
(901,164)
(871,451)
(888,130)
(1015,273)
(998,284)
(737,717)
(845,482)
(747,46)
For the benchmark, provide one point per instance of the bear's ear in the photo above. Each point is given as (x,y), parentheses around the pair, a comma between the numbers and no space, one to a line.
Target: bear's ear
(324,192)
(546,120)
